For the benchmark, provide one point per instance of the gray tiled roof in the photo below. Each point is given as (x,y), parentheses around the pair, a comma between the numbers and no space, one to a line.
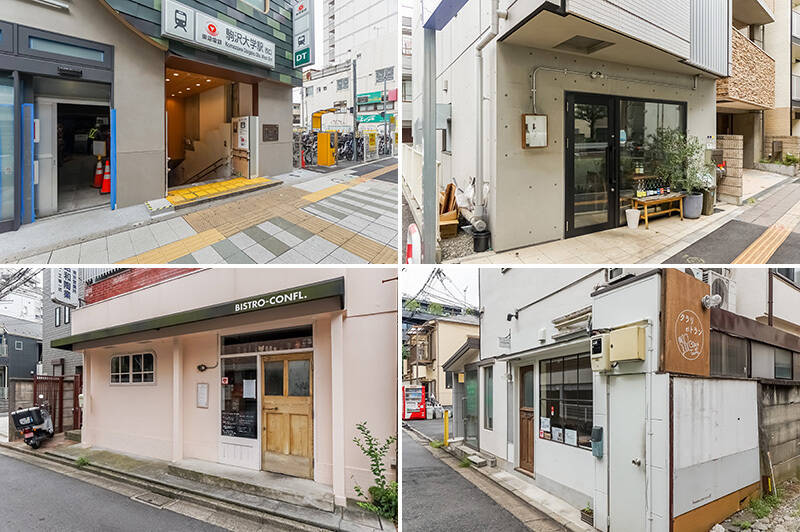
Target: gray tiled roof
(18,327)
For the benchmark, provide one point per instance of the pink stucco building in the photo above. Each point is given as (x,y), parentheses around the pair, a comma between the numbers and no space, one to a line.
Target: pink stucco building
(254,369)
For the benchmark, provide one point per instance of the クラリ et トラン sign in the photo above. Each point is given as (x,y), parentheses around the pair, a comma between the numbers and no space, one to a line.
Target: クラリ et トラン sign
(186,24)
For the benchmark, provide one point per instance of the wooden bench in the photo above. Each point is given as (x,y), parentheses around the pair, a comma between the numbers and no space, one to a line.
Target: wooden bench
(662,199)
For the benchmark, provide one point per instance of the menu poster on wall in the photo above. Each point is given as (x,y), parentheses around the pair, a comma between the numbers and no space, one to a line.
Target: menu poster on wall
(571,437)
(558,434)
(202,395)
(239,424)
(249,389)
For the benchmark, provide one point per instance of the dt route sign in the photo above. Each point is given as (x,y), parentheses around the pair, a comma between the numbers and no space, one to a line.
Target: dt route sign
(303,32)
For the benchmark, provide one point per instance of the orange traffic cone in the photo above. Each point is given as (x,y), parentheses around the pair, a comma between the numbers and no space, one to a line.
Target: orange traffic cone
(106,180)
(98,174)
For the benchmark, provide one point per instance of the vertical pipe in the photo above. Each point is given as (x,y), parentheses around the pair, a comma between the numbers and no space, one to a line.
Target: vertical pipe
(32,175)
(430,212)
(355,113)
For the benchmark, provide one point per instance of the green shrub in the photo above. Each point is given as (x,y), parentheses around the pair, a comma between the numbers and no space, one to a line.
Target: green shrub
(465,462)
(790,160)
(760,508)
(744,525)
(382,498)
(82,461)
(436,444)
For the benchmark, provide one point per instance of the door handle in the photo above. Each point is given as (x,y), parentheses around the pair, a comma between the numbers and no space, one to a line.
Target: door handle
(273,408)
(637,462)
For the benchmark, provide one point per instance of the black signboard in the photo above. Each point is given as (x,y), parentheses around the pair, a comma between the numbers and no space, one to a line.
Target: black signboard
(240,424)
(269,132)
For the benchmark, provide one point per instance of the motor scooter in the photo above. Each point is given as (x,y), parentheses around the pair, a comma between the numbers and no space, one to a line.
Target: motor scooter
(34,424)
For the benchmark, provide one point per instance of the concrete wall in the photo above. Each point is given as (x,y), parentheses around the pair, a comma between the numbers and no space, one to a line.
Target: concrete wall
(779,426)
(20,395)
(275,107)
(448,337)
(777,43)
(521,178)
(138,90)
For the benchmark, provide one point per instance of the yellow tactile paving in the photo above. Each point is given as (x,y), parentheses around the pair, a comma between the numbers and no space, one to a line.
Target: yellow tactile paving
(760,250)
(363,247)
(336,234)
(387,255)
(187,195)
(177,249)
(335,189)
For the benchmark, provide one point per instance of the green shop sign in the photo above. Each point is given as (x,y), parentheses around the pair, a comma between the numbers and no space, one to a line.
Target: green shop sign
(369,97)
(299,294)
(366,119)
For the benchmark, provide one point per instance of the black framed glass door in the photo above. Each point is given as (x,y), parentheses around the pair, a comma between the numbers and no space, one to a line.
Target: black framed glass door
(613,147)
(470,408)
(590,175)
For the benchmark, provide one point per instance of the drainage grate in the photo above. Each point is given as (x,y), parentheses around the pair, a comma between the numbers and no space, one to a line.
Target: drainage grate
(152,499)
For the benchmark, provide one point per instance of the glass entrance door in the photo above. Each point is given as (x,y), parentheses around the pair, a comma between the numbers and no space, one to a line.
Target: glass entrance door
(471,408)
(590,189)
(7,181)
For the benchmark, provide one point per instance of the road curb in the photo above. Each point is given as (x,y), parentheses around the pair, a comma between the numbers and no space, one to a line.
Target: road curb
(551,513)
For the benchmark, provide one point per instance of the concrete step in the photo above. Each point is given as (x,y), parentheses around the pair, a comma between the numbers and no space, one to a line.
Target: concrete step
(298,491)
(73,435)
(477,461)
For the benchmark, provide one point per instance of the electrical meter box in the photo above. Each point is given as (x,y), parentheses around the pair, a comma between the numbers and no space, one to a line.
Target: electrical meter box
(629,343)
(327,143)
(599,353)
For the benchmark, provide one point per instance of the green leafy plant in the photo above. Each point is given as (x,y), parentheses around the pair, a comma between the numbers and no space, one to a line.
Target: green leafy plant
(82,461)
(680,160)
(382,499)
(763,507)
(412,305)
(588,508)
(435,309)
(744,525)
(465,462)
(436,444)
(790,160)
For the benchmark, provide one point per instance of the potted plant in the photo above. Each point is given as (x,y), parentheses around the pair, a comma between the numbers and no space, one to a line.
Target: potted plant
(682,164)
(587,515)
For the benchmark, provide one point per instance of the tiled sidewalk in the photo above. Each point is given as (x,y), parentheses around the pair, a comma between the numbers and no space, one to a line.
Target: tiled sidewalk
(352,220)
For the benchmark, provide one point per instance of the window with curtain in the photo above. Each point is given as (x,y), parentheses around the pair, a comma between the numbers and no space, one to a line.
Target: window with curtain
(488,398)
(783,364)
(730,356)
(565,388)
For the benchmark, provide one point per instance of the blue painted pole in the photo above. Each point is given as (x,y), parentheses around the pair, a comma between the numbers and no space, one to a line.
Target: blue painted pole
(32,175)
(113,159)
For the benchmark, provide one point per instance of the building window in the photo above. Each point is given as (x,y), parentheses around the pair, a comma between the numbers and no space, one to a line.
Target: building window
(67,315)
(62,48)
(261,5)
(18,345)
(133,369)
(790,274)
(309,91)
(757,35)
(239,401)
(783,364)
(342,84)
(58,316)
(448,380)
(407,90)
(730,356)
(565,387)
(488,398)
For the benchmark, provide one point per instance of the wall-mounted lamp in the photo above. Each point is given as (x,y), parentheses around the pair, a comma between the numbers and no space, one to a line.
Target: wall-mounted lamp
(515,316)
(202,367)
(711,301)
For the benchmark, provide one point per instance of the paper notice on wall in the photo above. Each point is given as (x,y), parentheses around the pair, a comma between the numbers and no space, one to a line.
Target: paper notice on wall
(544,424)
(571,437)
(249,389)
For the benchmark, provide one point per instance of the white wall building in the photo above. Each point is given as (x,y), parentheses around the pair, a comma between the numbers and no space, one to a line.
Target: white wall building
(602,75)
(25,302)
(368,36)
(618,389)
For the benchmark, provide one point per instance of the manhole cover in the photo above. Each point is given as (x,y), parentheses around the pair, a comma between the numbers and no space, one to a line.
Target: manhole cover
(153,499)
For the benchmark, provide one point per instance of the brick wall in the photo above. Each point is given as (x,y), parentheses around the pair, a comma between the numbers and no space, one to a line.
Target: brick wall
(130,280)
(791,145)
(752,77)
(730,188)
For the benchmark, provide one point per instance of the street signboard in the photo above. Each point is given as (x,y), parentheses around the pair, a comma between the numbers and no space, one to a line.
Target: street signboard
(64,286)
(199,29)
(303,33)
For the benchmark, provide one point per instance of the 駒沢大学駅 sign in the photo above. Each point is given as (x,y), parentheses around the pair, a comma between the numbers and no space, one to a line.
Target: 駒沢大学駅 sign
(333,288)
(200,29)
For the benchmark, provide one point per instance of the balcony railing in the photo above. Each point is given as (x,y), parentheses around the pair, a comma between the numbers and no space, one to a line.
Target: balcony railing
(419,354)
(796,88)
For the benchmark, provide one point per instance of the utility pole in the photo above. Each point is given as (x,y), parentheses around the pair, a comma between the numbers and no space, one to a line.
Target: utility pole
(355,112)
(430,186)
(385,96)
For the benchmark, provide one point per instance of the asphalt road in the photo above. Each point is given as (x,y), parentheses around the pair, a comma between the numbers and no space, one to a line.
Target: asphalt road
(432,428)
(35,499)
(437,498)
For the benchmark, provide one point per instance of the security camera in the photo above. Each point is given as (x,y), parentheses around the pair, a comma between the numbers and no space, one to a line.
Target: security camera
(711,301)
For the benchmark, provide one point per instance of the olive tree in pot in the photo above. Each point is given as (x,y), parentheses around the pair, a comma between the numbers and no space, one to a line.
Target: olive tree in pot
(681,162)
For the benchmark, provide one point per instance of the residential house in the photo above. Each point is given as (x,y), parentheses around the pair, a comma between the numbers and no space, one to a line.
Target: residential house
(20,352)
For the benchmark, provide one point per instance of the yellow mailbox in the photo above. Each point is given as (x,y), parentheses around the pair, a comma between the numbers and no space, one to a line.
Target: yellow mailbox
(327,142)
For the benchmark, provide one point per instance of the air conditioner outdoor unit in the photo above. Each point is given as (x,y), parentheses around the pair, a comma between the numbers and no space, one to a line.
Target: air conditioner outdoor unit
(722,285)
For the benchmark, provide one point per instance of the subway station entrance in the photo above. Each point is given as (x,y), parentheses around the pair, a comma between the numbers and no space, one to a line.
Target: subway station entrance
(212,131)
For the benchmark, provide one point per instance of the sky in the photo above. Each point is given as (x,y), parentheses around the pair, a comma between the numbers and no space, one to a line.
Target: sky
(412,278)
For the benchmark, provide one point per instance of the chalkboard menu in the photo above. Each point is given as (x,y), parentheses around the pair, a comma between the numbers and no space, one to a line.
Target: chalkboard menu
(239,424)
(239,403)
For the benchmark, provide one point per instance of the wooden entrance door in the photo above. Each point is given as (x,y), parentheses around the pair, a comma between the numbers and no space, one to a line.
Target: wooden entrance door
(287,418)
(527,424)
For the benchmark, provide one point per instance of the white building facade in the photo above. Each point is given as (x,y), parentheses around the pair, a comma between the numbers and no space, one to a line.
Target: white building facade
(619,390)
(595,78)
(367,35)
